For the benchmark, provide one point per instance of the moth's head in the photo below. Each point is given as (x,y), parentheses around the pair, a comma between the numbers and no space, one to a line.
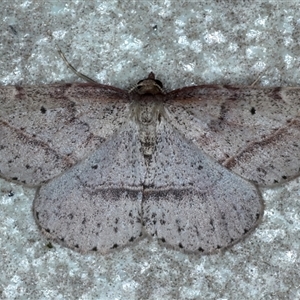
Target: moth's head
(149,85)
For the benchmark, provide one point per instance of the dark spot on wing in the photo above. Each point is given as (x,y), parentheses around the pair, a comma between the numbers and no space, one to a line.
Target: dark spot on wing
(43,110)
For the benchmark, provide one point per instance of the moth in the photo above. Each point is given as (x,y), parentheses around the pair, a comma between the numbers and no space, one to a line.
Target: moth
(111,167)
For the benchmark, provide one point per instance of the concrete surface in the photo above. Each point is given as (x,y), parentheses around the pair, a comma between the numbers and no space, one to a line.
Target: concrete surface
(184,43)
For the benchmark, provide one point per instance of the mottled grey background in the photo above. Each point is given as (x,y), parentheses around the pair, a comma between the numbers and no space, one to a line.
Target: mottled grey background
(119,43)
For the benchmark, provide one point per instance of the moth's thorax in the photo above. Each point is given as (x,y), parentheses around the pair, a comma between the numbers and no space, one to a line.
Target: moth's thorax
(146,112)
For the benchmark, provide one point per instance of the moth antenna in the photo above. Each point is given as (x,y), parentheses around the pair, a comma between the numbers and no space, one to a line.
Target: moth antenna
(133,88)
(259,77)
(84,77)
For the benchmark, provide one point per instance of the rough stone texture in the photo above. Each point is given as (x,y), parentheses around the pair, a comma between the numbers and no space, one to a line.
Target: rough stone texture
(184,43)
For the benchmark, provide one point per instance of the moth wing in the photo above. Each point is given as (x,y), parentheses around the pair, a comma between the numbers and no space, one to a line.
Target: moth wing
(96,205)
(254,132)
(193,203)
(44,130)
